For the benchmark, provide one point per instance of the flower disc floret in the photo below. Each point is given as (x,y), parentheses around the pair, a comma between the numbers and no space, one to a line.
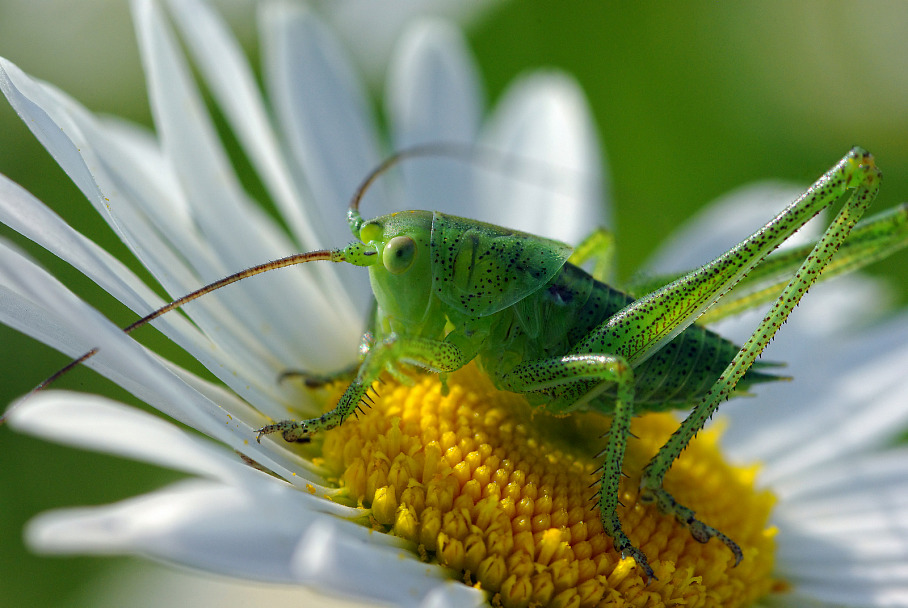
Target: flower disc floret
(483,485)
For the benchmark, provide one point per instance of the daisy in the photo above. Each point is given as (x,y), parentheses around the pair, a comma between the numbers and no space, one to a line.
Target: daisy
(309,517)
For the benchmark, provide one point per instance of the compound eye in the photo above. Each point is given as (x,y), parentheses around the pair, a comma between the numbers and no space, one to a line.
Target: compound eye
(399,254)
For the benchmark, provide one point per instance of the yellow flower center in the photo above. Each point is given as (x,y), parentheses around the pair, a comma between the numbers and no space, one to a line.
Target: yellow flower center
(482,485)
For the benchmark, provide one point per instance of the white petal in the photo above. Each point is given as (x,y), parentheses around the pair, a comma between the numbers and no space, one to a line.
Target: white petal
(28,216)
(557,191)
(868,581)
(327,127)
(54,132)
(129,585)
(65,129)
(99,424)
(198,158)
(847,395)
(112,164)
(879,480)
(243,353)
(239,231)
(272,533)
(432,96)
(845,529)
(328,556)
(724,223)
(371,30)
(38,305)
(835,594)
(433,90)
(238,531)
(324,113)
(121,164)
(227,72)
(162,226)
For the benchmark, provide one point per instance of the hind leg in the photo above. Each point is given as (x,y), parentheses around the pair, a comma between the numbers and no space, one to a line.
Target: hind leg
(857,171)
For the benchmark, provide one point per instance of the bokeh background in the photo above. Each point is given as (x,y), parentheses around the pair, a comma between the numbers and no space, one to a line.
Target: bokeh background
(691,100)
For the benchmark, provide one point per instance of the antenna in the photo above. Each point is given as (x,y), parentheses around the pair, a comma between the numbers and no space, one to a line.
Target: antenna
(336,255)
(462,151)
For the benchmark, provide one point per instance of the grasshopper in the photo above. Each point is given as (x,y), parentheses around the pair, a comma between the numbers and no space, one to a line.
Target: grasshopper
(449,290)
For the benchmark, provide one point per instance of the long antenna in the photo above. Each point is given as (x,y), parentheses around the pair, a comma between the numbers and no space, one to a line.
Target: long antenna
(533,171)
(336,255)
(438,149)
(463,151)
(452,149)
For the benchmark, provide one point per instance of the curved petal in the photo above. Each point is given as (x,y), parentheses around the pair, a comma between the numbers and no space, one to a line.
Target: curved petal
(544,124)
(201,524)
(119,169)
(34,103)
(36,304)
(232,82)
(99,424)
(243,368)
(327,554)
(121,188)
(324,113)
(271,534)
(128,585)
(371,30)
(724,223)
(227,72)
(433,96)
(130,196)
(71,141)
(238,231)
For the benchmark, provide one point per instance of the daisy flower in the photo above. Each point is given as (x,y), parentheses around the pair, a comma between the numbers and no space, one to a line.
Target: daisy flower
(480,500)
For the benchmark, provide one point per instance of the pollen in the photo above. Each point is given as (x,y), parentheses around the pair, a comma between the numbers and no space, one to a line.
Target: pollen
(487,486)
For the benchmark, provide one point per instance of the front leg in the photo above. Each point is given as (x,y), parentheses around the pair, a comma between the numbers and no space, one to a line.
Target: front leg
(589,372)
(432,355)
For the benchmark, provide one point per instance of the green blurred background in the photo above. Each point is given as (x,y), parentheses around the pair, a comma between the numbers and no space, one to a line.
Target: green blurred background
(691,99)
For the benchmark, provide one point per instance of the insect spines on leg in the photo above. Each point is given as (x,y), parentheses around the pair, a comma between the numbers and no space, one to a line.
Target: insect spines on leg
(856,171)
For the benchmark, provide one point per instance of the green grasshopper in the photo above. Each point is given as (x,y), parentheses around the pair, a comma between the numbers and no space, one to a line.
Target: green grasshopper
(449,290)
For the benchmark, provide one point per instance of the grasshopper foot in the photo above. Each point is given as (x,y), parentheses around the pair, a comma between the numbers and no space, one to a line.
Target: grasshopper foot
(699,530)
(301,431)
(290,430)
(623,545)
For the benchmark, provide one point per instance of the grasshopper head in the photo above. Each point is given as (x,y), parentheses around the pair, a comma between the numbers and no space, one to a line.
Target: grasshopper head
(471,268)
(402,276)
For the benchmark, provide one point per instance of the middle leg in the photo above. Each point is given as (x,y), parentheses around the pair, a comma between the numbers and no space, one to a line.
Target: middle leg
(598,371)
